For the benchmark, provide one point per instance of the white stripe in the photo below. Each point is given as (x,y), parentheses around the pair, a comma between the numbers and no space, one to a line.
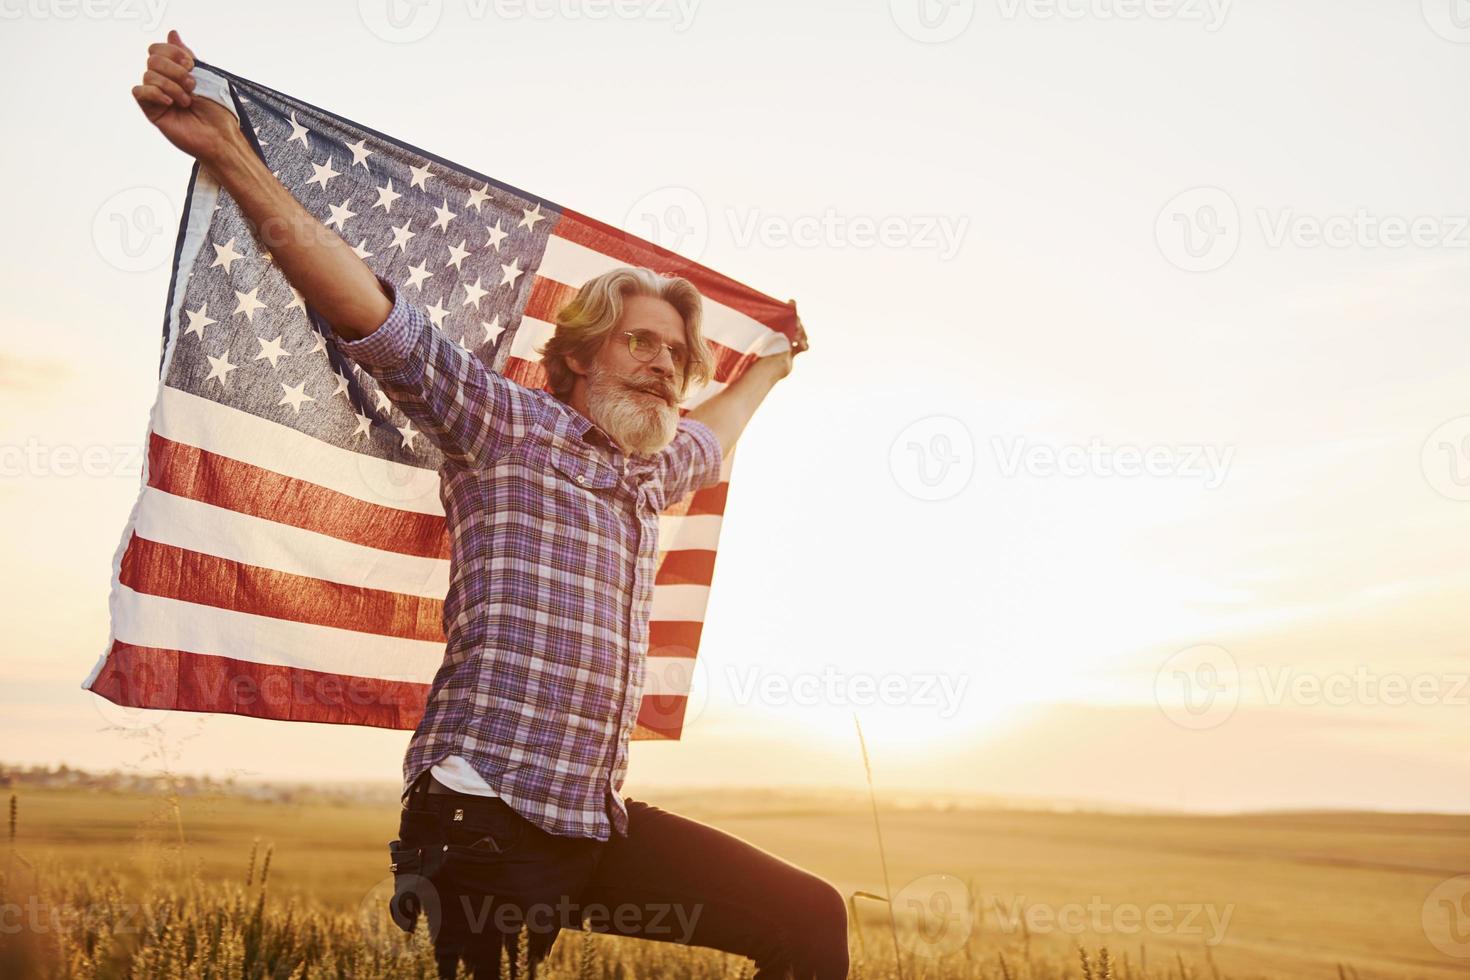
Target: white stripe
(224,533)
(573,264)
(195,421)
(173,624)
(185,523)
(667,675)
(685,533)
(679,603)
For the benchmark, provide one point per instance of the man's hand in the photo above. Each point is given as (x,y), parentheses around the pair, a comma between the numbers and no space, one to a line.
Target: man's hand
(316,260)
(779,365)
(201,128)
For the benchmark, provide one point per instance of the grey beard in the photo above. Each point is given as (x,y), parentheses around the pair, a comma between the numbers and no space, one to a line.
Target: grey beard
(636,422)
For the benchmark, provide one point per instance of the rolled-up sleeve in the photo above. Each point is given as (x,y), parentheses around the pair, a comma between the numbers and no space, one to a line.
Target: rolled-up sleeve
(472,414)
(691,461)
(390,344)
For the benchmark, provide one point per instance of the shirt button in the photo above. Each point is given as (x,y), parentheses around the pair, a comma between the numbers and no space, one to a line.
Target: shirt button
(582,480)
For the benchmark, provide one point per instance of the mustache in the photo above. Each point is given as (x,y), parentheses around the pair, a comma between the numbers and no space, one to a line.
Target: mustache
(666,392)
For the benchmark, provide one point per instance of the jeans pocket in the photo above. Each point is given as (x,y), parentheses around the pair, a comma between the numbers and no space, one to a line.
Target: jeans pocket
(483,830)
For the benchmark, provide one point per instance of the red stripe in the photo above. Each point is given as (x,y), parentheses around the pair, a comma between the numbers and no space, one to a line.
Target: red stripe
(689,567)
(150,677)
(527,374)
(610,241)
(660,716)
(710,500)
(165,570)
(192,576)
(673,638)
(548,296)
(198,474)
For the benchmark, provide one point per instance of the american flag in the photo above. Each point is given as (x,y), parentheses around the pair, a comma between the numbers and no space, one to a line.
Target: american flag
(282,491)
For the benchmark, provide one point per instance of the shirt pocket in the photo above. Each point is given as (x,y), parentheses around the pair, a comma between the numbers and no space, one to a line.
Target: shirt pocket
(585,472)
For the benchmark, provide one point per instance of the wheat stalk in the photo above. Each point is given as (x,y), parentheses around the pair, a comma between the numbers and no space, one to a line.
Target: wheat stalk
(882,854)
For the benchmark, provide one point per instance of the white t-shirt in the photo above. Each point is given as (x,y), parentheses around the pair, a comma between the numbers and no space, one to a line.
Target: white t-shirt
(461,777)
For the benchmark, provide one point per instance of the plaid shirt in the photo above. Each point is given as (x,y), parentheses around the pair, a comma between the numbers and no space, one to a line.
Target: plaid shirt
(554,543)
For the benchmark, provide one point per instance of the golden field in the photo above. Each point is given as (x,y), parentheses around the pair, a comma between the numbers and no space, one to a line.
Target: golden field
(125,884)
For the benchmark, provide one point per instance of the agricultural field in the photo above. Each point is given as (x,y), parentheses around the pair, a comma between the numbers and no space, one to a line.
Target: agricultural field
(125,884)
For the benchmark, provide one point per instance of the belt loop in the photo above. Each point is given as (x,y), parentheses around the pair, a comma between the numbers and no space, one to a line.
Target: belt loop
(419,791)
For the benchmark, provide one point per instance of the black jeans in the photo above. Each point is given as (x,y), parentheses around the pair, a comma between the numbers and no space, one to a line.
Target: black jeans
(487,872)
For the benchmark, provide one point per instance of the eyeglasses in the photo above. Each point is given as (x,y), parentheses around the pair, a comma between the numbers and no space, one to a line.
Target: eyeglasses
(645,345)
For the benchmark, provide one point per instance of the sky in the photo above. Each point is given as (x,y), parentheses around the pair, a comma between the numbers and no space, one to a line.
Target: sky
(1130,461)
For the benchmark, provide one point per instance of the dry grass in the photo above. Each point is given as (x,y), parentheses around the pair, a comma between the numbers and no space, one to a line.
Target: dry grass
(119,885)
(92,925)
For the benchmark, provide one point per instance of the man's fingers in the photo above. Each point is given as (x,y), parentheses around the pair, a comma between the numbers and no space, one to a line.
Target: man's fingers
(174,38)
(173,53)
(168,68)
(149,96)
(168,86)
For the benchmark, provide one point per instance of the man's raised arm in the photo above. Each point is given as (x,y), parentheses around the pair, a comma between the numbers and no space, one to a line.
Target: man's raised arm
(727,412)
(471,413)
(330,276)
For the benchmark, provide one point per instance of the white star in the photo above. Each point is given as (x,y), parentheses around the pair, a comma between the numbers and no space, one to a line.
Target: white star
(295,396)
(386,197)
(298,131)
(436,314)
(512,272)
(320,346)
(220,367)
(477,197)
(248,303)
(444,215)
(384,405)
(408,432)
(531,216)
(463,346)
(492,329)
(323,172)
(198,320)
(298,302)
(363,423)
(269,258)
(458,253)
(224,255)
(271,349)
(420,174)
(339,215)
(360,153)
(473,293)
(417,274)
(401,235)
(361,249)
(342,386)
(496,235)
